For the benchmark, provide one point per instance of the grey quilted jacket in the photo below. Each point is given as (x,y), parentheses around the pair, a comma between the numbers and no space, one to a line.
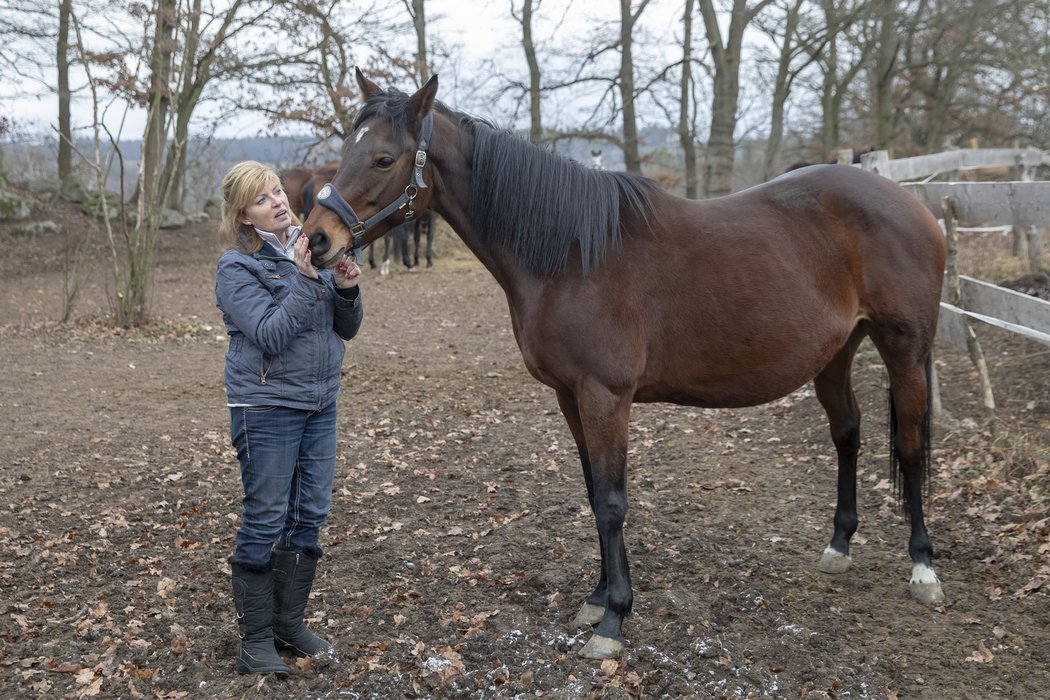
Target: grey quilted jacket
(286,330)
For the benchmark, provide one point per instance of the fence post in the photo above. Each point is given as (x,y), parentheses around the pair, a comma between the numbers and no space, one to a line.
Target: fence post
(973,347)
(935,390)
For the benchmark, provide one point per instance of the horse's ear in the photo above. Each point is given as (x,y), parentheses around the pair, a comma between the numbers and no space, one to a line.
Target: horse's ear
(368,88)
(423,101)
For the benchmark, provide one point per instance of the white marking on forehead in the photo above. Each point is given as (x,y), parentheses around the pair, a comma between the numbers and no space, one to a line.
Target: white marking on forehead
(361,135)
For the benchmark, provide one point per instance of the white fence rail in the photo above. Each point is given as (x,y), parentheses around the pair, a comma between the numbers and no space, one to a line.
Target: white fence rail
(985,203)
(924,167)
(1004,308)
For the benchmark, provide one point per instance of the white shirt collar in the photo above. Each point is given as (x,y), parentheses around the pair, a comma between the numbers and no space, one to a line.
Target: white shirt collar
(273,240)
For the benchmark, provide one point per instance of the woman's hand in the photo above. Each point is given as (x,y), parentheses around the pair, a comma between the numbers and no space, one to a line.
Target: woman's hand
(302,258)
(347,274)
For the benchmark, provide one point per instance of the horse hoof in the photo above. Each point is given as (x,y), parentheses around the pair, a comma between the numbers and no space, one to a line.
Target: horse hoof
(927,593)
(598,647)
(832,562)
(589,615)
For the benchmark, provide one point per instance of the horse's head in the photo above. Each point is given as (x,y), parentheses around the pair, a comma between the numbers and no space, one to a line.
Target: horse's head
(382,176)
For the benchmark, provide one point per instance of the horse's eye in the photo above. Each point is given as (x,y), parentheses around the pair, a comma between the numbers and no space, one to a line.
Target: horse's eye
(384,162)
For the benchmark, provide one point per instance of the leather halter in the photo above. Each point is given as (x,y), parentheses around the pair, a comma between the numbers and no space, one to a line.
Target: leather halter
(329,196)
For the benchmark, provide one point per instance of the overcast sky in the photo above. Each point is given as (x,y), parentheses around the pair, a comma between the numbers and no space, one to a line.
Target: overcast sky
(478,31)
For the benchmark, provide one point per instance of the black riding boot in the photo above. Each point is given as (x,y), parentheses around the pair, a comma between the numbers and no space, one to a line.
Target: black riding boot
(253,598)
(293,576)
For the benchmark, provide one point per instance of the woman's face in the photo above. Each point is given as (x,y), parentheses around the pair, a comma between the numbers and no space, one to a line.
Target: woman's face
(269,211)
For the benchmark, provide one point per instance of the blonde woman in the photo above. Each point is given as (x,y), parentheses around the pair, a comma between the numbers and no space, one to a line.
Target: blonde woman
(287,323)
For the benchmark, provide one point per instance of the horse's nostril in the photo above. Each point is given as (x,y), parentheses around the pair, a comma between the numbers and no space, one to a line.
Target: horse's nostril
(320,243)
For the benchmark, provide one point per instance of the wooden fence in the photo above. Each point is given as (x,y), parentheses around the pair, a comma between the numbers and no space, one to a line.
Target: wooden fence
(1021,204)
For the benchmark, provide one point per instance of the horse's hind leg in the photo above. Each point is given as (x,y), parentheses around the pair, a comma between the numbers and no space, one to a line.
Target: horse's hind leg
(909,371)
(834,389)
(910,423)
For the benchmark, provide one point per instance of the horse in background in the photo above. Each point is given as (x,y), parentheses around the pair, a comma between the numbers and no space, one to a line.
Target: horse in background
(301,185)
(420,226)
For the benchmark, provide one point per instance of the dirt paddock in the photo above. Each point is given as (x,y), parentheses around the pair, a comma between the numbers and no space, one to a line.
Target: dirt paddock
(460,544)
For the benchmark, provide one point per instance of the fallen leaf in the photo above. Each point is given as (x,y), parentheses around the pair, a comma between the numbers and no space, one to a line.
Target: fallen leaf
(982,655)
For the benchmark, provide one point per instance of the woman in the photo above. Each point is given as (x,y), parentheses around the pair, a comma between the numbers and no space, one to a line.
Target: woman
(286,322)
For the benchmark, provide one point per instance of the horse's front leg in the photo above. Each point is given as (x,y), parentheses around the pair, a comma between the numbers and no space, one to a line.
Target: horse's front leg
(603,423)
(593,609)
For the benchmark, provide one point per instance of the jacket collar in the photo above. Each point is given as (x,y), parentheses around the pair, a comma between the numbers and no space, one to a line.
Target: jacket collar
(275,243)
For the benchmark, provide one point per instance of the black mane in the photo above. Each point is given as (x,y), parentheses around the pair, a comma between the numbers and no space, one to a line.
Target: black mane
(535,205)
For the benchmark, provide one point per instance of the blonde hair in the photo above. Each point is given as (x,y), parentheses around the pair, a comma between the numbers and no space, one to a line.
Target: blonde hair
(240,186)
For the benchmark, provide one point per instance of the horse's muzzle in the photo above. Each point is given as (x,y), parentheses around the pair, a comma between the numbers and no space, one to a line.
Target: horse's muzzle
(320,242)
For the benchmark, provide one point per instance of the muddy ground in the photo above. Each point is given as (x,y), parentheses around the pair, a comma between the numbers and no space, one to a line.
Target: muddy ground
(460,545)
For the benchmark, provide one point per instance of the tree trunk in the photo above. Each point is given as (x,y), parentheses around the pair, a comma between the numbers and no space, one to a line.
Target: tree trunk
(535,113)
(419,21)
(718,172)
(885,70)
(189,92)
(631,157)
(65,131)
(686,136)
(132,298)
(781,90)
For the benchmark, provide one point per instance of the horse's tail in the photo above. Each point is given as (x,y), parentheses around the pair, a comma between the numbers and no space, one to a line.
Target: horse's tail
(925,436)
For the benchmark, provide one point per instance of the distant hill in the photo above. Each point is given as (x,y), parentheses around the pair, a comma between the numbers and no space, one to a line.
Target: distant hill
(210,158)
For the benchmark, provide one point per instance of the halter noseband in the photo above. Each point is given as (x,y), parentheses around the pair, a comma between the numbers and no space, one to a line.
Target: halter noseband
(329,196)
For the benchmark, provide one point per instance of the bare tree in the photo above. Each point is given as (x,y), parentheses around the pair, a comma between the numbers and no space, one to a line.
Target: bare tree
(844,56)
(65,129)
(957,59)
(132,297)
(798,45)
(628,19)
(686,131)
(310,84)
(726,55)
(203,62)
(885,69)
(417,11)
(524,18)
(27,32)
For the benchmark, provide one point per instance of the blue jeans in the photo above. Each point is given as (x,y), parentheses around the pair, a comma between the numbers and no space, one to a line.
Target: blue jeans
(287,458)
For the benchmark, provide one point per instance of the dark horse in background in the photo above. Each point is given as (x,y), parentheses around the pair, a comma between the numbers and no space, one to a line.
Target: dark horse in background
(855,159)
(301,185)
(622,292)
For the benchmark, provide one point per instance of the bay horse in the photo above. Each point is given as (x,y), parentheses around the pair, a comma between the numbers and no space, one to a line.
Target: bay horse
(622,292)
(301,185)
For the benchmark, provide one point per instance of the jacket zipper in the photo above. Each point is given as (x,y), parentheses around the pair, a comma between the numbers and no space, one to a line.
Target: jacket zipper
(264,366)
